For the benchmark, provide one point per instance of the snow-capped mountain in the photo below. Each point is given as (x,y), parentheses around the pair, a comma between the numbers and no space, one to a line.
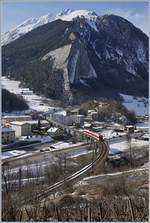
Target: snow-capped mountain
(32,23)
(80,55)
(25,27)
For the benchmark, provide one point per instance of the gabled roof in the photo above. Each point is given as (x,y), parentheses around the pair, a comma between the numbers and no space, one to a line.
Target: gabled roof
(52,130)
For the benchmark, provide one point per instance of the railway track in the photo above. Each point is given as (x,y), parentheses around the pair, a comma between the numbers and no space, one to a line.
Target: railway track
(102,154)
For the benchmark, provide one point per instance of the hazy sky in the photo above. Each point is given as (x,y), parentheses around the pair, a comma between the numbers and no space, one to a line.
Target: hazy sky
(15,12)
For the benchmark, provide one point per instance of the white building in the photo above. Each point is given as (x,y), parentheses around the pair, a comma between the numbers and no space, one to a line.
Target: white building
(21,128)
(8,135)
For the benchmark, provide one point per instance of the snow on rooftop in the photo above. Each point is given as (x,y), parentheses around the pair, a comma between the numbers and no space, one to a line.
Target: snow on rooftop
(15,116)
(19,123)
(52,130)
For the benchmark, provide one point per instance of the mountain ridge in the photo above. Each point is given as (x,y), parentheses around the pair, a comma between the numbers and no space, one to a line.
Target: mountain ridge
(112,58)
(32,23)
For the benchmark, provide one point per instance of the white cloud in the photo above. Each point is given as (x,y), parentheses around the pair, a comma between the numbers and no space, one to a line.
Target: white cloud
(139,20)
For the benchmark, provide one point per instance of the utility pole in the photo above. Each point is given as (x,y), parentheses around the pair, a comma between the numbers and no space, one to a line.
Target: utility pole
(89,212)
(92,141)
(130,148)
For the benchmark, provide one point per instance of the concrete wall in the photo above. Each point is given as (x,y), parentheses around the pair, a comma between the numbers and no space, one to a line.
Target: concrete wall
(26,130)
(22,130)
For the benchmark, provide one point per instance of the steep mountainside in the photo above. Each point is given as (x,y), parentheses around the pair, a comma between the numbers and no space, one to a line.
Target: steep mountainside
(89,56)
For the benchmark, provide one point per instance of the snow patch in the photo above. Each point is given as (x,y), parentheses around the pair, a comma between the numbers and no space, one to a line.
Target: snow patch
(119,52)
(12,153)
(137,104)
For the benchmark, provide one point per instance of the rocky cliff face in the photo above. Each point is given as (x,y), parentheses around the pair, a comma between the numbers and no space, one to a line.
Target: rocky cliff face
(94,56)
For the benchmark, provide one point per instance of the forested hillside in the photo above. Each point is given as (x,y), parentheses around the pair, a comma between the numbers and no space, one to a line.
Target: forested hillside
(12,102)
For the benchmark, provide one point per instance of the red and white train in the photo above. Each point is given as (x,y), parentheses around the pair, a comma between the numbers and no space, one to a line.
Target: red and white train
(93,135)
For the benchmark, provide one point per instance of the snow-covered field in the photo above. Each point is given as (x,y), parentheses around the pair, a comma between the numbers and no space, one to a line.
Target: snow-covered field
(43,139)
(64,145)
(34,101)
(12,153)
(108,134)
(143,125)
(137,104)
(124,146)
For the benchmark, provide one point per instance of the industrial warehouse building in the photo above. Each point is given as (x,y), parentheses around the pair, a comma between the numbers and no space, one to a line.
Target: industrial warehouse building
(21,128)
(8,135)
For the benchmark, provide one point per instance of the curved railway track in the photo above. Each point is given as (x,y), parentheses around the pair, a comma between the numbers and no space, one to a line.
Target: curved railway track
(102,154)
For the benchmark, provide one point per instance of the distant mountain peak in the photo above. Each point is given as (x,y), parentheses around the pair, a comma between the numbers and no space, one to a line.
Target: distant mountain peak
(65,12)
(70,14)
(32,23)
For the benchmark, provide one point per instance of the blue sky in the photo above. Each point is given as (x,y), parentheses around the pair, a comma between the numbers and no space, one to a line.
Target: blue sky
(14,13)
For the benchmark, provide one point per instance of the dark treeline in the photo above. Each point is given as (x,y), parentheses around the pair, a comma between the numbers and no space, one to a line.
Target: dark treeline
(12,102)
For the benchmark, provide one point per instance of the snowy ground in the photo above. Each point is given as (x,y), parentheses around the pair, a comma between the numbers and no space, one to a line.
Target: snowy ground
(108,134)
(12,153)
(124,146)
(137,104)
(64,145)
(43,139)
(34,166)
(34,101)
(143,125)
(79,150)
